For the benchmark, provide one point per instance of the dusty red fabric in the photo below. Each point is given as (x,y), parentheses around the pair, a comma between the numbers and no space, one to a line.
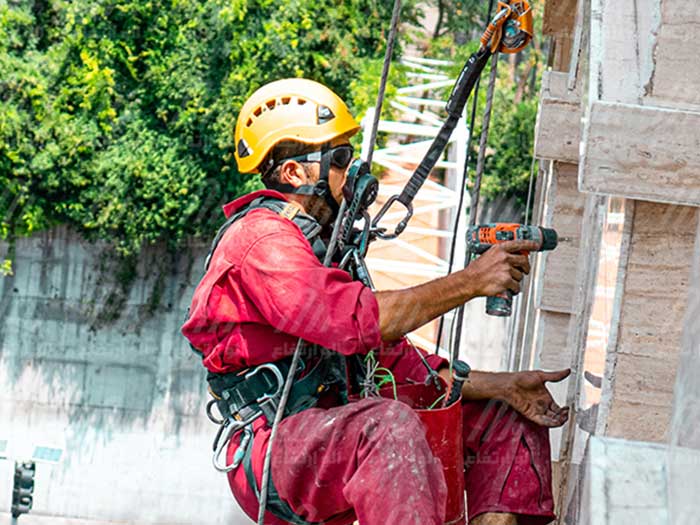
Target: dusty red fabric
(333,463)
(507,463)
(265,288)
(368,460)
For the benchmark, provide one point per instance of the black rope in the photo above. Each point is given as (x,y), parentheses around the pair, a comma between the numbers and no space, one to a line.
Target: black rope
(465,178)
(385,75)
(474,208)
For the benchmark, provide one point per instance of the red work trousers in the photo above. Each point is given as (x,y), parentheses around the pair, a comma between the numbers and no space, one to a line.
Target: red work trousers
(369,460)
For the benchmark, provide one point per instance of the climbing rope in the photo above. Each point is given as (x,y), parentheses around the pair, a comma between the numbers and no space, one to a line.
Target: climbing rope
(463,186)
(528,204)
(474,207)
(385,76)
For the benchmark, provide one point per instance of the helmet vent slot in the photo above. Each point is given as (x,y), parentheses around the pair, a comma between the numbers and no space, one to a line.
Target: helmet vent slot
(301,101)
(249,123)
(286,100)
(271,104)
(258,111)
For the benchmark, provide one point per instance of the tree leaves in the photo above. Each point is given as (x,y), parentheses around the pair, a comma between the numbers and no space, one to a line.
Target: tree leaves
(117,116)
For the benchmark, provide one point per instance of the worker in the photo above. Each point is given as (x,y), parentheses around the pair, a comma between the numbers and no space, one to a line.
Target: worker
(335,461)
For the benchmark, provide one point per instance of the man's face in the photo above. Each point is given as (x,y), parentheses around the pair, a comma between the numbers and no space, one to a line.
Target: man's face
(295,174)
(337,176)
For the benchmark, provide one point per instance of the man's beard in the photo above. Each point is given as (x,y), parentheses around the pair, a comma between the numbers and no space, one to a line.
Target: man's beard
(319,209)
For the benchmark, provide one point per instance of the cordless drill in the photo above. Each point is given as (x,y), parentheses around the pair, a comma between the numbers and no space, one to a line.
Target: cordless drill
(482,236)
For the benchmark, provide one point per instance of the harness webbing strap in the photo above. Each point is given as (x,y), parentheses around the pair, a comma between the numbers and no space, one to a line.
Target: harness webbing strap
(455,105)
(275,504)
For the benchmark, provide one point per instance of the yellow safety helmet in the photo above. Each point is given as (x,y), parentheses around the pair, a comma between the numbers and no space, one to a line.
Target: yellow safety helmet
(291,109)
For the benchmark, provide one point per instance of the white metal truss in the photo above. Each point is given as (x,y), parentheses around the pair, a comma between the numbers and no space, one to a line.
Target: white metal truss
(419,106)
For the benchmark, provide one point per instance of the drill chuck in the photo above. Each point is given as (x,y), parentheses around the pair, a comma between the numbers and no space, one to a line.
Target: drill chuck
(550,239)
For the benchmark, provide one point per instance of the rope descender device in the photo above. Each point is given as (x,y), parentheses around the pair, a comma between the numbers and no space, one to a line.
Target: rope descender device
(511,29)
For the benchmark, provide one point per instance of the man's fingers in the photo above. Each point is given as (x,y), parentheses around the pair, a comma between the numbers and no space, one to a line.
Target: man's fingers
(520,246)
(516,274)
(563,416)
(513,286)
(519,261)
(547,421)
(556,376)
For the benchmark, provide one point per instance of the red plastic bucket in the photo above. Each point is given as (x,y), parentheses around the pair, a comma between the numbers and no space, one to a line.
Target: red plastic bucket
(443,428)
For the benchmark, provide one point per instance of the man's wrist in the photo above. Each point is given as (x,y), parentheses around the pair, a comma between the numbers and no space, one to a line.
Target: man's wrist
(468,286)
(488,385)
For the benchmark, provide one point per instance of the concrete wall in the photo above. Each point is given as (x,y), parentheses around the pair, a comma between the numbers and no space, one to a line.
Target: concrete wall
(639,139)
(625,484)
(651,317)
(92,362)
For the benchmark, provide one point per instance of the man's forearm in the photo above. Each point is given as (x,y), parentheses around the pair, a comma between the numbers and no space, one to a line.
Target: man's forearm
(500,268)
(483,385)
(402,311)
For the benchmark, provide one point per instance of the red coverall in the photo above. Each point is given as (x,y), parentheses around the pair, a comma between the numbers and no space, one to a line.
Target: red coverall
(369,459)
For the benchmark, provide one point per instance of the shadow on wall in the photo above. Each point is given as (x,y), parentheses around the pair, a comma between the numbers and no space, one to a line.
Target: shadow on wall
(96,336)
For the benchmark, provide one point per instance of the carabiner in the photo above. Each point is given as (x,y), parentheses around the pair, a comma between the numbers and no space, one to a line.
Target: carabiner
(400,227)
(222,445)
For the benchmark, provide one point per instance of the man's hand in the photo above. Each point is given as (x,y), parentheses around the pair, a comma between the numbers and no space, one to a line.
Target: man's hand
(500,268)
(526,393)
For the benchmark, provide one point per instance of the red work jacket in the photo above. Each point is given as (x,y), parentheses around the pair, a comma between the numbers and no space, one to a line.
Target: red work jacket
(265,288)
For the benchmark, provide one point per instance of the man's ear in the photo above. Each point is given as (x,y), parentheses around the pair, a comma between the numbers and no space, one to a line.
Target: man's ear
(293,173)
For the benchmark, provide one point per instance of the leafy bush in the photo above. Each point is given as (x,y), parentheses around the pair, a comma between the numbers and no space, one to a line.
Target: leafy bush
(116,116)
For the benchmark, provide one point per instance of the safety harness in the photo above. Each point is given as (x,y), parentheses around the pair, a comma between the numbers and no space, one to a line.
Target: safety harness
(244,396)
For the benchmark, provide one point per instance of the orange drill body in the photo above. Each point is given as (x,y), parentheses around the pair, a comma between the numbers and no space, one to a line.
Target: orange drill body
(481,237)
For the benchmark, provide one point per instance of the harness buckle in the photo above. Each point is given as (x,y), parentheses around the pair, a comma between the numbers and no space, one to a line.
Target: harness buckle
(244,419)
(268,401)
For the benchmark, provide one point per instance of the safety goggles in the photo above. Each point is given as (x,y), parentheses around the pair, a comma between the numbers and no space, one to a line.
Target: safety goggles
(341,156)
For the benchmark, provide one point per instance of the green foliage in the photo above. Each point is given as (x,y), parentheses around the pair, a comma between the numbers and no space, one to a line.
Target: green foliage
(510,142)
(459,19)
(6,268)
(510,146)
(116,116)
